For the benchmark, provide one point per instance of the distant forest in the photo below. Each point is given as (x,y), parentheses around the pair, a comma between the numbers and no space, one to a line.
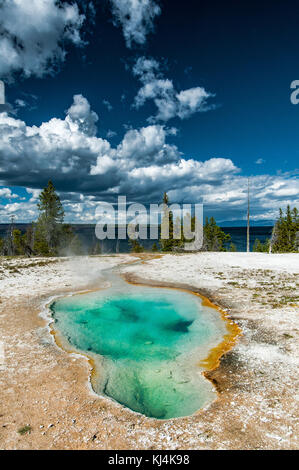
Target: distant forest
(50,236)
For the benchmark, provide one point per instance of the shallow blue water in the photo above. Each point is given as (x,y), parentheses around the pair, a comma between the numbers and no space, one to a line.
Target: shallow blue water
(147,343)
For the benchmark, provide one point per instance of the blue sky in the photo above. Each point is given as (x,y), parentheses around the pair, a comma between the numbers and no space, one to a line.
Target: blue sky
(192,102)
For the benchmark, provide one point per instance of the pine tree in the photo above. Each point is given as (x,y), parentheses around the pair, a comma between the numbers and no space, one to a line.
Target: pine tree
(167,220)
(49,232)
(296,225)
(96,249)
(69,243)
(172,242)
(18,242)
(29,240)
(232,247)
(76,247)
(258,246)
(295,216)
(285,232)
(41,246)
(155,247)
(136,247)
(214,238)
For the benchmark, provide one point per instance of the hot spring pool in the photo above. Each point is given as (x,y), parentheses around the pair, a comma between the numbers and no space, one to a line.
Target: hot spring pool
(147,344)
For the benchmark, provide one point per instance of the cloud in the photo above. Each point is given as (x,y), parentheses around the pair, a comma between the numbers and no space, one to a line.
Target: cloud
(62,149)
(111,134)
(136,18)
(81,118)
(107,104)
(20,103)
(68,151)
(260,161)
(34,194)
(168,101)
(6,193)
(22,211)
(33,35)
(86,169)
(28,101)
(228,199)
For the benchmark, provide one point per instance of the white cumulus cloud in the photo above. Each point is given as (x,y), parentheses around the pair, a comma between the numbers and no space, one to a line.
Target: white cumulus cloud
(81,117)
(7,194)
(86,169)
(136,18)
(33,34)
(168,101)
(69,152)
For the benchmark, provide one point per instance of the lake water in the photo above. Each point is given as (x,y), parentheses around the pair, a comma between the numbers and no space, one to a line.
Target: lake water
(86,233)
(146,343)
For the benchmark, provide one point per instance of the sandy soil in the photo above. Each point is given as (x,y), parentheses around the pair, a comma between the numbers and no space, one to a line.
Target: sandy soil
(48,389)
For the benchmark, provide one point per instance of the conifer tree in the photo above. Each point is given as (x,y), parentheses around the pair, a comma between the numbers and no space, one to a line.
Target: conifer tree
(29,240)
(261,247)
(18,242)
(167,220)
(257,246)
(214,238)
(97,250)
(136,247)
(285,233)
(69,243)
(49,229)
(172,242)
(76,247)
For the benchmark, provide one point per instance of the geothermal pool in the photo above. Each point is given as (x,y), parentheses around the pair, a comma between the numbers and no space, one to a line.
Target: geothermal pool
(147,344)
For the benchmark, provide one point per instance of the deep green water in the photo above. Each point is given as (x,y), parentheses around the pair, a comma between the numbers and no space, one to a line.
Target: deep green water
(147,344)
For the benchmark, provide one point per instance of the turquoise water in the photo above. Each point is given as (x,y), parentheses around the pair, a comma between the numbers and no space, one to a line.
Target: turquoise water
(147,343)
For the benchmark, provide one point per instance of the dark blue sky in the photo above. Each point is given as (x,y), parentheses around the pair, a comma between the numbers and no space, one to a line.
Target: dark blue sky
(246,53)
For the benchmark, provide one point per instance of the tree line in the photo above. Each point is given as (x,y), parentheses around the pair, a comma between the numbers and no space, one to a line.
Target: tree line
(50,236)
(284,238)
(214,239)
(285,234)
